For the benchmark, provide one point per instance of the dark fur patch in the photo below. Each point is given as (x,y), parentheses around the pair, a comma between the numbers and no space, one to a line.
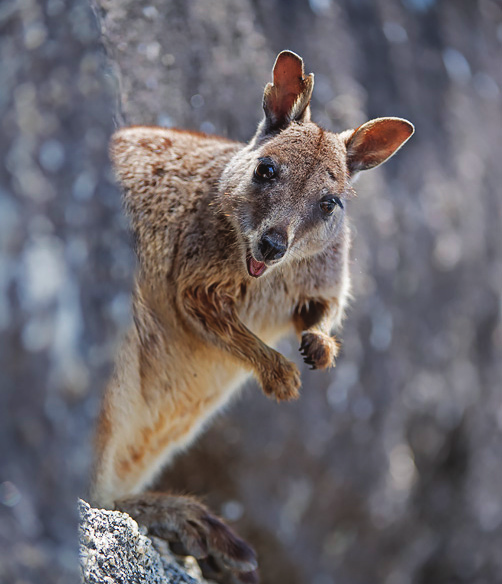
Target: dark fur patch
(310,313)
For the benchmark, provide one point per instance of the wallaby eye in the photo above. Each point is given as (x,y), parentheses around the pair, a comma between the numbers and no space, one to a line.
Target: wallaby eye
(265,170)
(329,203)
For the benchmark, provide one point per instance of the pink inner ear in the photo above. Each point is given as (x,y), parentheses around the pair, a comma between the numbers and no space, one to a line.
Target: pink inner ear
(376,141)
(288,82)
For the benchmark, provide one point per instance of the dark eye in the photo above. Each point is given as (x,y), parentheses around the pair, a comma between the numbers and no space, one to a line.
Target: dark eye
(328,204)
(265,170)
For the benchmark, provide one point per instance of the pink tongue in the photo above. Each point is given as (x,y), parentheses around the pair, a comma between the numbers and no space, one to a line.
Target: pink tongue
(256,268)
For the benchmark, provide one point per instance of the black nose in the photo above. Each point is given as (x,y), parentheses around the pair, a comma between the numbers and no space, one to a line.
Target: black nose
(273,245)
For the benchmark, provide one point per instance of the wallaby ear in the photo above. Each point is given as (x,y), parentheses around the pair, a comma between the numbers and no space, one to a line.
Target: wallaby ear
(287,99)
(376,141)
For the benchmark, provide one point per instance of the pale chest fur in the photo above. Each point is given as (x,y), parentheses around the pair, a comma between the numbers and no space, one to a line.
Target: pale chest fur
(193,380)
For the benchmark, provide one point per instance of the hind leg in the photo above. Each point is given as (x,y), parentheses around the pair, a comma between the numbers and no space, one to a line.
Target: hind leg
(191,529)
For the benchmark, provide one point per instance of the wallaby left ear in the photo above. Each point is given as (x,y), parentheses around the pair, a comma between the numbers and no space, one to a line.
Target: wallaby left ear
(287,99)
(376,141)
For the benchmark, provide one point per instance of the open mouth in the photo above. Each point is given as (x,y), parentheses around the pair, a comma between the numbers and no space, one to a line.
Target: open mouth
(255,268)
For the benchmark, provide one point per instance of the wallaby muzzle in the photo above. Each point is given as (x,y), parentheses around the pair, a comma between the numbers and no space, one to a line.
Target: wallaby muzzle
(273,245)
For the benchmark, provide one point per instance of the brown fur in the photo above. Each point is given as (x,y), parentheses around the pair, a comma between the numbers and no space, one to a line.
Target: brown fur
(201,322)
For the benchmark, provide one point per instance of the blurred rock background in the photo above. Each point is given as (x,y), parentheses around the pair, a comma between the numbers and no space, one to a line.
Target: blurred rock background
(65,265)
(388,469)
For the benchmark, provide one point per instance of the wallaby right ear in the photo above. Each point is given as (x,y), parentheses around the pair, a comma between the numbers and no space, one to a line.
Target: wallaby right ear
(287,99)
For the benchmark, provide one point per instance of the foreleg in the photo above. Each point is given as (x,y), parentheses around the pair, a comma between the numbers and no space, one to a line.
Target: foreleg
(212,313)
(314,320)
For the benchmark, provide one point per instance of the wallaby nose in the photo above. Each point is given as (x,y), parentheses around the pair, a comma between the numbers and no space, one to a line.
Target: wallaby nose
(273,245)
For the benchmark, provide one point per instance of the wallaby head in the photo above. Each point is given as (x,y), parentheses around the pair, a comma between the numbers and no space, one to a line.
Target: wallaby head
(285,192)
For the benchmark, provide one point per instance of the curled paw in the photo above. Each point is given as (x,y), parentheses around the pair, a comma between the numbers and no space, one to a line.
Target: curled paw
(281,379)
(319,350)
(192,530)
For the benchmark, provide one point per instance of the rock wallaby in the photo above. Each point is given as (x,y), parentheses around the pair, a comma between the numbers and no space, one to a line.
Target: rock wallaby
(237,245)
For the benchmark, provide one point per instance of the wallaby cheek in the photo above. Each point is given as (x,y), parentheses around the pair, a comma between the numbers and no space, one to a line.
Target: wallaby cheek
(316,238)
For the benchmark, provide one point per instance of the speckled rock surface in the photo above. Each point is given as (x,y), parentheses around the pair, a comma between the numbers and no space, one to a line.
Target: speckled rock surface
(114,550)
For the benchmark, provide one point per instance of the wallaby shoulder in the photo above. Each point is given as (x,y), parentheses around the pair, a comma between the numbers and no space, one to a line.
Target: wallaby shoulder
(164,166)
(169,179)
(152,152)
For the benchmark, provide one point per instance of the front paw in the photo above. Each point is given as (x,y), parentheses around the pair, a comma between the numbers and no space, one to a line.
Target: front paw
(319,350)
(281,379)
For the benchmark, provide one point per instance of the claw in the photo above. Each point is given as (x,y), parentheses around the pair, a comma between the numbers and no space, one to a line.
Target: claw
(213,570)
(234,552)
(249,577)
